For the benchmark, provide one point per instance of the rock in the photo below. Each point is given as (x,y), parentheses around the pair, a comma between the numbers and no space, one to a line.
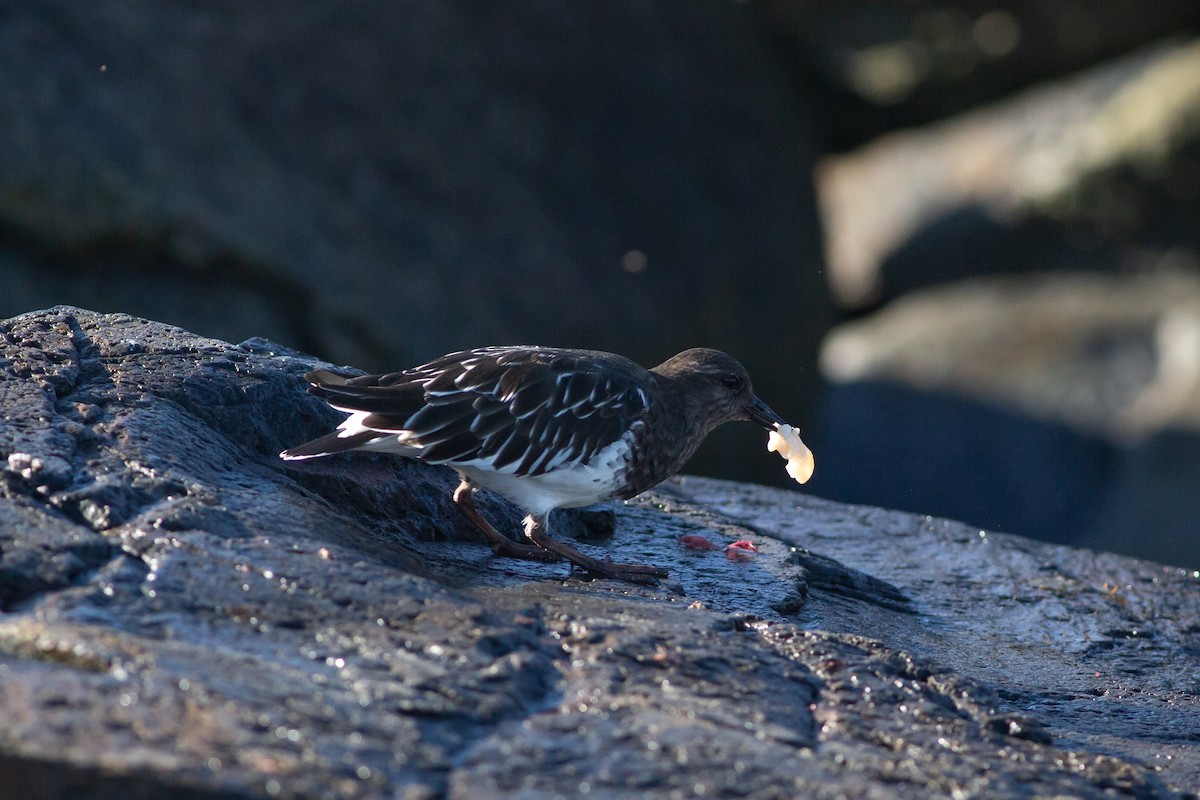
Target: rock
(892,65)
(1029,362)
(182,615)
(1095,172)
(1063,406)
(383,183)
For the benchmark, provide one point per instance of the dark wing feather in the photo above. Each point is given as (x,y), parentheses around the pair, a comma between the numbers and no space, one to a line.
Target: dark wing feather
(398,400)
(490,421)
(526,408)
(579,389)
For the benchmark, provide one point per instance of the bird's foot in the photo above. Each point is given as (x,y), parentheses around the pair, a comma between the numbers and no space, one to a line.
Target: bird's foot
(512,549)
(501,544)
(544,548)
(630,573)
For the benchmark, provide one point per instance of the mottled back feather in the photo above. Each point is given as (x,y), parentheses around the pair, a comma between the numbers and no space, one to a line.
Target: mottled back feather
(525,410)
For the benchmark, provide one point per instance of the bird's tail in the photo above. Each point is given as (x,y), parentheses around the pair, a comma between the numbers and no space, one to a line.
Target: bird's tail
(322,383)
(328,444)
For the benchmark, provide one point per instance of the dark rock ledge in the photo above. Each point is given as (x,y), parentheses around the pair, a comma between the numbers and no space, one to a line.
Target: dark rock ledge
(181,615)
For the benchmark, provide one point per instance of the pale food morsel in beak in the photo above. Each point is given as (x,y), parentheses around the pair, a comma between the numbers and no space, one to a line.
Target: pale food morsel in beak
(785,440)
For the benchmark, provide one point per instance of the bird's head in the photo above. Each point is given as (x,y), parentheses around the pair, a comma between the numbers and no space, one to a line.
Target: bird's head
(720,386)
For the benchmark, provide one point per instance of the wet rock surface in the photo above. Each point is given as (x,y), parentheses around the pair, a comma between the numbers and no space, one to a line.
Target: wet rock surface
(182,615)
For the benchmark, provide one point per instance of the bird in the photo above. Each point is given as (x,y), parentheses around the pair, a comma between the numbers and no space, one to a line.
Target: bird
(547,428)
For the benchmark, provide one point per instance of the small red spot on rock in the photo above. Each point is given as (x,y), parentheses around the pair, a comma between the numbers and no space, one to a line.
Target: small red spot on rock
(741,549)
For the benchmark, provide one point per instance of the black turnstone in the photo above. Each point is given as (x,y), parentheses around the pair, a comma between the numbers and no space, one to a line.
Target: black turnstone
(546,428)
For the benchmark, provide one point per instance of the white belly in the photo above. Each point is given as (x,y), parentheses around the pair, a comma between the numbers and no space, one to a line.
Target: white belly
(568,486)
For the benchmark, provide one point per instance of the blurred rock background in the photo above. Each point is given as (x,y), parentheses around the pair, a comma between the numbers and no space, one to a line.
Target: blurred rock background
(1003,293)
(1024,283)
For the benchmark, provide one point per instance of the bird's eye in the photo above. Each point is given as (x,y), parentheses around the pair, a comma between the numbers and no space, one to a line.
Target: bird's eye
(732,382)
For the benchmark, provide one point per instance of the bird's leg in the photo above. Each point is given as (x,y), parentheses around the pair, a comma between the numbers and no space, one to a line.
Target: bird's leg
(464,498)
(536,530)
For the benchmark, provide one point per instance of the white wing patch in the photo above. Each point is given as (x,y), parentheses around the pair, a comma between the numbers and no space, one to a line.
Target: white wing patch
(384,443)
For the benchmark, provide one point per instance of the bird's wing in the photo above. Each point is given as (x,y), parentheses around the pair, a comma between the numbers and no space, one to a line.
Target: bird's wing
(519,410)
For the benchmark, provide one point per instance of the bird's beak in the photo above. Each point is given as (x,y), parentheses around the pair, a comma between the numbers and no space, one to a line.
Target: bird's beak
(760,412)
